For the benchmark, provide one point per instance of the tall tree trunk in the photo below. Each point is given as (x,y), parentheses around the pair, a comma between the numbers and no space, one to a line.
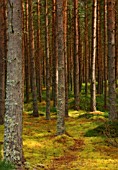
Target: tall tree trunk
(116,46)
(105,53)
(26,52)
(13,104)
(86,48)
(38,54)
(111,60)
(2,60)
(70,48)
(80,53)
(99,51)
(93,78)
(54,55)
(61,72)
(76,56)
(47,62)
(65,57)
(32,61)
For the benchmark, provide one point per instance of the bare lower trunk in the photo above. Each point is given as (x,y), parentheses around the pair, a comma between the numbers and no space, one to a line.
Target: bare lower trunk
(2,60)
(61,73)
(13,104)
(111,60)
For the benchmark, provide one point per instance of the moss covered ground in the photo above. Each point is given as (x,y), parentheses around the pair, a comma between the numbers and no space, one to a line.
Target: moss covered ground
(90,141)
(85,145)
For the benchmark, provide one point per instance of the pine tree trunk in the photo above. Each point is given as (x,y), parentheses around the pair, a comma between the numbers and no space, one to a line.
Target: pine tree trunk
(47,62)
(86,48)
(111,60)
(76,56)
(2,60)
(65,57)
(105,54)
(32,60)
(54,55)
(99,51)
(26,52)
(14,92)
(93,78)
(116,47)
(61,73)
(38,54)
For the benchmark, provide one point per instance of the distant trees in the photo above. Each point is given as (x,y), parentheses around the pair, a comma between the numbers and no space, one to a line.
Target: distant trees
(85,59)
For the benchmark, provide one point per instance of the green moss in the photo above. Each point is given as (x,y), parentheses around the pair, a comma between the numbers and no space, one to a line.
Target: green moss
(82,147)
(6,166)
(1,132)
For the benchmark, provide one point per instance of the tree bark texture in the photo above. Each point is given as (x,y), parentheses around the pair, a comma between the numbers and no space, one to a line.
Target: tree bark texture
(111,60)
(65,56)
(13,102)
(61,72)
(47,62)
(105,54)
(2,60)
(76,56)
(93,78)
(32,60)
(54,55)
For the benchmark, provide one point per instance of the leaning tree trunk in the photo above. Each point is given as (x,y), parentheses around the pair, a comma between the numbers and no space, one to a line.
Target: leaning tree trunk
(111,60)
(13,102)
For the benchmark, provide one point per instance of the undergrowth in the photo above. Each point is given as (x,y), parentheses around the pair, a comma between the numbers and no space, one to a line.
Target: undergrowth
(90,141)
(6,166)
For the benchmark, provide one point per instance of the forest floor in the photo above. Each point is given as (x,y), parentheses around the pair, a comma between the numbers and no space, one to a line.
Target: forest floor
(90,142)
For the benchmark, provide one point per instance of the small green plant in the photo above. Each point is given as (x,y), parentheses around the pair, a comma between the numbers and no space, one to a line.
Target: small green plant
(85,102)
(6,166)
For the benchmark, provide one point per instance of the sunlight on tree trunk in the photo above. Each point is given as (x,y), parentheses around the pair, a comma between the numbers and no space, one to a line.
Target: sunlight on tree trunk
(93,78)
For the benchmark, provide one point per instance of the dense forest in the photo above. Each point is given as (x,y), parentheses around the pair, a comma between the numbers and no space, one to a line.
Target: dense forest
(59,84)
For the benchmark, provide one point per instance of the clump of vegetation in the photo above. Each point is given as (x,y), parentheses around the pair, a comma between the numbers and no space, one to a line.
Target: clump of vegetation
(6,166)
(111,133)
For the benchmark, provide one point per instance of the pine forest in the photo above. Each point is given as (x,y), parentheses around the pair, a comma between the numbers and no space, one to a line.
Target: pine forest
(58,84)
